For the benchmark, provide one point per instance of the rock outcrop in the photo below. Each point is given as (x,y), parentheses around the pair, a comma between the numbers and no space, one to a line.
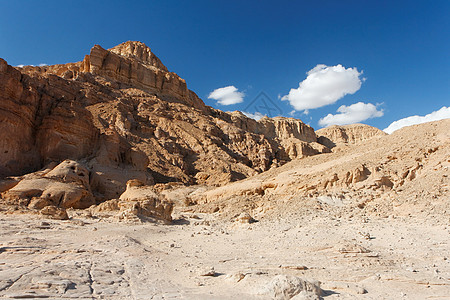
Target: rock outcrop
(126,117)
(283,287)
(382,175)
(347,134)
(139,202)
(41,120)
(66,186)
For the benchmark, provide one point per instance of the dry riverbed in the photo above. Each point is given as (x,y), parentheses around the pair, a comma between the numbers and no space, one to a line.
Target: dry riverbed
(201,257)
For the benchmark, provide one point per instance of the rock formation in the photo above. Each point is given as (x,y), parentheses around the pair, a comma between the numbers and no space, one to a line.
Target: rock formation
(347,134)
(73,135)
(283,287)
(66,185)
(123,115)
(382,175)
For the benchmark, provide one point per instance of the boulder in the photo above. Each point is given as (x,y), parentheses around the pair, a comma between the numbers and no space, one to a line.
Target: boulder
(283,287)
(64,186)
(53,212)
(142,201)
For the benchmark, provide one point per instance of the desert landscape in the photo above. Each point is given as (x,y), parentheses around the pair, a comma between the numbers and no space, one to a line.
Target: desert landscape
(118,182)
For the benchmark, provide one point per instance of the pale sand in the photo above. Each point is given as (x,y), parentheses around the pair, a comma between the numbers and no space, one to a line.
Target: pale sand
(85,257)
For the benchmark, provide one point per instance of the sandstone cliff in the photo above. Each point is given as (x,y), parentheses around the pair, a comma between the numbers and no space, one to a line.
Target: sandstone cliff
(348,134)
(405,172)
(124,116)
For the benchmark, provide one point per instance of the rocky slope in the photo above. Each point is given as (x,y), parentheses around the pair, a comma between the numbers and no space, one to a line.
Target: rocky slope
(255,213)
(406,172)
(349,134)
(73,135)
(122,115)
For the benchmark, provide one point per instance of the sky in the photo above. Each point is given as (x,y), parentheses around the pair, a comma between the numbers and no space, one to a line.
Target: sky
(324,62)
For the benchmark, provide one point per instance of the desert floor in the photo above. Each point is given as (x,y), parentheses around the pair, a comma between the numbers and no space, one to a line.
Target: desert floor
(353,257)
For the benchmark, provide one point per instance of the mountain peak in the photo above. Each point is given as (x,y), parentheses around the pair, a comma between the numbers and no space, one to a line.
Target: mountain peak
(139,51)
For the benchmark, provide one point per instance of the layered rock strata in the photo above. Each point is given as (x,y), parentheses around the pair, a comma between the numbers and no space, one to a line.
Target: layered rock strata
(347,134)
(124,116)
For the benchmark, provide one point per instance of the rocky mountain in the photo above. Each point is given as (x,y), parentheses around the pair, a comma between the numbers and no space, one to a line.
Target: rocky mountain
(73,135)
(256,206)
(406,172)
(122,115)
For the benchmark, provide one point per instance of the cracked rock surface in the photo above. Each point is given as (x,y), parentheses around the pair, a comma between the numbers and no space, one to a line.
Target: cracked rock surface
(90,258)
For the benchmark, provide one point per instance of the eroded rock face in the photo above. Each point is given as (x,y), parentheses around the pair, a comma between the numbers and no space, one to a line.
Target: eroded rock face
(283,287)
(139,202)
(40,121)
(66,185)
(134,64)
(127,117)
(18,107)
(347,134)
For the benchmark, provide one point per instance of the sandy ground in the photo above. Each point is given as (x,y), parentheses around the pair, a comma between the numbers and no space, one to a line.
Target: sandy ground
(352,257)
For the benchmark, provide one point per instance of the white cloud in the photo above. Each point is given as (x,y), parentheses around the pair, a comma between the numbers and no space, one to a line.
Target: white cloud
(257,115)
(443,113)
(227,95)
(40,65)
(324,85)
(354,113)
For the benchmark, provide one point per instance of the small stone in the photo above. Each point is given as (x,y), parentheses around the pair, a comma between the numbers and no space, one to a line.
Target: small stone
(360,290)
(287,287)
(54,212)
(236,277)
(207,272)
(299,267)
(245,218)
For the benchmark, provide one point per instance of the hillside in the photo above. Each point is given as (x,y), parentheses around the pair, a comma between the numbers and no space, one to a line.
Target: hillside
(118,182)
(405,172)
(123,115)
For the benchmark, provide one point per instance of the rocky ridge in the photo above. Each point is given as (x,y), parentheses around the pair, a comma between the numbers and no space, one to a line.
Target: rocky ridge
(122,115)
(255,213)
(403,173)
(349,134)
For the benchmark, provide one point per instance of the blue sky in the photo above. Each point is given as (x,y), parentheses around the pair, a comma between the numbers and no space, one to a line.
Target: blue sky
(401,47)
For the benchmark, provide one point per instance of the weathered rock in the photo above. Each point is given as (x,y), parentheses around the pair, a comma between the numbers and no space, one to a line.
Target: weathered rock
(245,218)
(40,121)
(286,287)
(347,134)
(207,272)
(142,201)
(53,212)
(65,186)
(121,109)
(70,171)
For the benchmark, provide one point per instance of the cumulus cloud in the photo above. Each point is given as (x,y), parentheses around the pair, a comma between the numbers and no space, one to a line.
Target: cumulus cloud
(324,85)
(443,113)
(227,95)
(354,113)
(257,115)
